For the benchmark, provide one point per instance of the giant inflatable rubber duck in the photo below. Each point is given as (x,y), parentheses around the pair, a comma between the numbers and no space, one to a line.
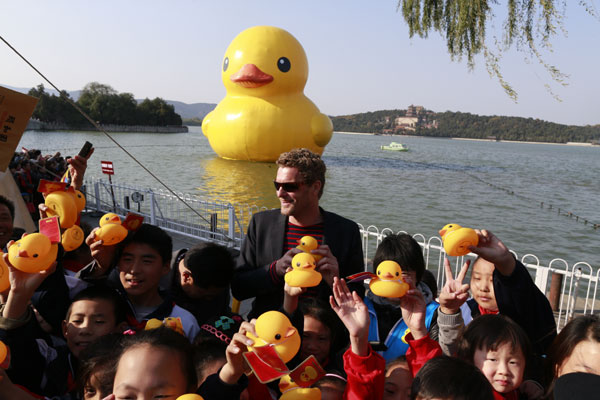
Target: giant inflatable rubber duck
(274,328)
(458,239)
(265,111)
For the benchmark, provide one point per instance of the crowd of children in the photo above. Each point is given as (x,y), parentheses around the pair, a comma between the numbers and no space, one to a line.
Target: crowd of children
(86,335)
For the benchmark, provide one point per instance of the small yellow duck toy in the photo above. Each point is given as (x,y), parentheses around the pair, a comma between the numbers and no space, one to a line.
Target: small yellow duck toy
(33,253)
(388,280)
(4,282)
(79,199)
(303,273)
(308,243)
(62,205)
(265,111)
(274,328)
(111,231)
(458,239)
(190,396)
(72,238)
(4,355)
(291,391)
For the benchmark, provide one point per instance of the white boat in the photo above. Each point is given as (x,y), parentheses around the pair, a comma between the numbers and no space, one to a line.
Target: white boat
(395,146)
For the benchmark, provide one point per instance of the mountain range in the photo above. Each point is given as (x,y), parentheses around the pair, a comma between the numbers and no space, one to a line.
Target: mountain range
(187,111)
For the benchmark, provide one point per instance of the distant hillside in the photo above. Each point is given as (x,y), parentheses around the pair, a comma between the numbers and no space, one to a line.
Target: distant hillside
(466,125)
(187,111)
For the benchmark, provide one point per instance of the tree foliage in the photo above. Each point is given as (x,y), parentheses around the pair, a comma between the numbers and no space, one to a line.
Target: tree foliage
(530,26)
(105,105)
(466,125)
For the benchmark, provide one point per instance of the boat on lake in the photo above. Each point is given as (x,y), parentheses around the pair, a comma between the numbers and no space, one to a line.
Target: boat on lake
(395,146)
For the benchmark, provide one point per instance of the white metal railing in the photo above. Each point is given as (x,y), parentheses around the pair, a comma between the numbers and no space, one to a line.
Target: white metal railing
(226,223)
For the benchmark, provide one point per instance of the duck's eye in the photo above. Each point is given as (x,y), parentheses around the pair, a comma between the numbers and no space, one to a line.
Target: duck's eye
(35,255)
(397,273)
(284,64)
(277,337)
(225,64)
(378,272)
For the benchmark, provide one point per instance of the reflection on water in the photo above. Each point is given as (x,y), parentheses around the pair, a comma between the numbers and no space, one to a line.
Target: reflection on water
(241,182)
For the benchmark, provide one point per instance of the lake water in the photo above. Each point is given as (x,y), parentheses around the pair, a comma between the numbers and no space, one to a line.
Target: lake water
(498,186)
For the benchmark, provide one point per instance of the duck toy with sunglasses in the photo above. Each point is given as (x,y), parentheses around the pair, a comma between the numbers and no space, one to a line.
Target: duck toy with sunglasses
(303,272)
(386,282)
(265,111)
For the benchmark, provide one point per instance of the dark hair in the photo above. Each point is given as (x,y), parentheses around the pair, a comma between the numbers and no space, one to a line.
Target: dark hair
(9,204)
(584,327)
(152,236)
(207,351)
(322,312)
(429,279)
(101,292)
(490,331)
(170,340)
(310,165)
(450,378)
(404,250)
(210,264)
(98,358)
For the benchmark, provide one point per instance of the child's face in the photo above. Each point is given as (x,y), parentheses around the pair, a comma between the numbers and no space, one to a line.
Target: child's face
(146,372)
(88,320)
(503,367)
(398,381)
(585,357)
(316,339)
(482,285)
(140,269)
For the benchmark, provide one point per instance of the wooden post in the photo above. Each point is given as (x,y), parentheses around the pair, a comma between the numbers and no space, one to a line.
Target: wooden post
(555,287)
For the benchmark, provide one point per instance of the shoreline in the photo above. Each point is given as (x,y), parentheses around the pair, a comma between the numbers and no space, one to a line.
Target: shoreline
(580,144)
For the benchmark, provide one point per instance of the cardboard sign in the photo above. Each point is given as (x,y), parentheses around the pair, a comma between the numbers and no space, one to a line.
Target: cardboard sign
(15,110)
(51,228)
(266,363)
(307,373)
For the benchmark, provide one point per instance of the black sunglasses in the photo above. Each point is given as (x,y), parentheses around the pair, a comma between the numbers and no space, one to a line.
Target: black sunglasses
(289,187)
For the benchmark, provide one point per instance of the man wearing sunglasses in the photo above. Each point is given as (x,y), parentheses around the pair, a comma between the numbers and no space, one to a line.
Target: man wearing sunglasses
(272,237)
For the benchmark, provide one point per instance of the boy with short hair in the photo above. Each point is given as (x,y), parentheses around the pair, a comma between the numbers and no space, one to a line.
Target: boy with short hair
(143,258)
(43,363)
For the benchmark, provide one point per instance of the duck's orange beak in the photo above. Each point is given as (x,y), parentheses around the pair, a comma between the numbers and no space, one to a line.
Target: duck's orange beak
(250,76)
(23,253)
(442,232)
(291,330)
(388,276)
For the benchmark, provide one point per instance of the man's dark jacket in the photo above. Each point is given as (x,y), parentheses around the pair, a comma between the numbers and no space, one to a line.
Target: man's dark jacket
(264,244)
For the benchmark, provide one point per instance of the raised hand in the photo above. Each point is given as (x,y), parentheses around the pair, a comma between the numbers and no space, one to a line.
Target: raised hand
(493,250)
(77,167)
(328,264)
(454,293)
(413,308)
(290,297)
(354,314)
(102,254)
(236,365)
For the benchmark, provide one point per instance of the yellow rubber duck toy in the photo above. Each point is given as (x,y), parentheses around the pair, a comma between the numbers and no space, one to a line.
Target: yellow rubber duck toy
(111,231)
(291,391)
(62,204)
(458,239)
(33,253)
(79,199)
(4,355)
(388,282)
(72,238)
(273,327)
(190,396)
(308,243)
(303,273)
(265,111)
(4,282)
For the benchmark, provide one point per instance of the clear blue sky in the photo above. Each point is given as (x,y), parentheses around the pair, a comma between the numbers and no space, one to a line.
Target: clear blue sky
(359,53)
